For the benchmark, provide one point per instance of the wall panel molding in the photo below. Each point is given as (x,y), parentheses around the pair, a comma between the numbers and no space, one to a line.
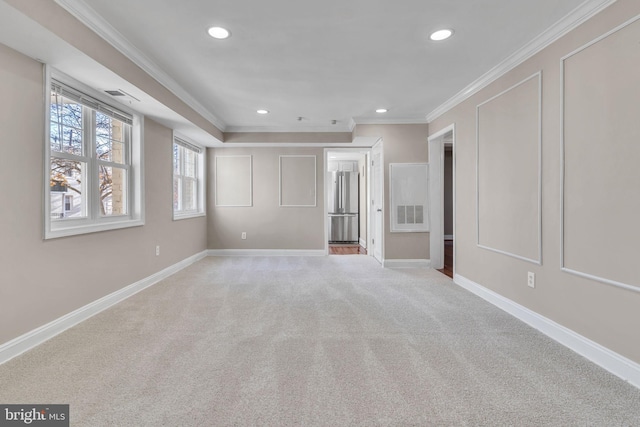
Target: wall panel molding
(609,107)
(538,125)
(295,181)
(232,187)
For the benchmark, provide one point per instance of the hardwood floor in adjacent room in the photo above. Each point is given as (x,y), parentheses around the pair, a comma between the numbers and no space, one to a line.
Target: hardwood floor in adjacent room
(448,259)
(340,249)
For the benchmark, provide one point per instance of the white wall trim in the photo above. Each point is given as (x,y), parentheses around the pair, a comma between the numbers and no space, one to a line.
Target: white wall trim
(216,179)
(266,252)
(31,339)
(315,180)
(362,242)
(613,362)
(96,23)
(406,263)
(563,267)
(576,17)
(436,150)
(537,261)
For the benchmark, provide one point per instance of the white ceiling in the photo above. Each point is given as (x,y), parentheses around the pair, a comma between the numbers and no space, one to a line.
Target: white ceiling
(323,61)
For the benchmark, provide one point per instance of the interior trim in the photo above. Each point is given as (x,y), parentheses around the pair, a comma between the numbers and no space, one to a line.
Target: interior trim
(579,15)
(538,261)
(613,362)
(266,252)
(563,267)
(96,23)
(31,339)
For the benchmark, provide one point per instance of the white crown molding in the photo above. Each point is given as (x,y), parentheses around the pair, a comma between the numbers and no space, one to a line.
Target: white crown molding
(582,13)
(26,342)
(613,362)
(89,17)
(390,121)
(288,129)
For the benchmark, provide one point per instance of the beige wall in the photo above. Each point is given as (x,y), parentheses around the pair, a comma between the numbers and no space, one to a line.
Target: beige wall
(401,144)
(268,225)
(604,313)
(43,280)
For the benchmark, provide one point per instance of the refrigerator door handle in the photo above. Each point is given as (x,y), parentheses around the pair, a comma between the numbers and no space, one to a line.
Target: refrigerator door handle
(340,196)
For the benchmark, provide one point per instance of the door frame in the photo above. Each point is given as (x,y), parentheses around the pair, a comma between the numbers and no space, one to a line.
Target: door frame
(372,217)
(436,195)
(366,151)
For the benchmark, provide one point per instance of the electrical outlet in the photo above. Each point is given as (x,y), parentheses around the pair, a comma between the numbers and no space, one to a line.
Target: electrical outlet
(244,235)
(157,250)
(531,279)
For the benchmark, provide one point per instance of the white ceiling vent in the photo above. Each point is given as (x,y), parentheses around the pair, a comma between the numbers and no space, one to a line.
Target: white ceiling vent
(121,95)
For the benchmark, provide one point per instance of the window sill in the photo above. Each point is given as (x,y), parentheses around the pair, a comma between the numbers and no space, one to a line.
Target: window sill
(91,228)
(181,216)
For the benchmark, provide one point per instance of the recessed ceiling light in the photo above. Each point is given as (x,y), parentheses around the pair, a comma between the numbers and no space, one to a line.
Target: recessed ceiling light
(219,32)
(262,111)
(441,35)
(381,110)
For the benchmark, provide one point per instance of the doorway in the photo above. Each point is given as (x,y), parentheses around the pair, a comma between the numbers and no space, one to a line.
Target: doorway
(347,195)
(442,200)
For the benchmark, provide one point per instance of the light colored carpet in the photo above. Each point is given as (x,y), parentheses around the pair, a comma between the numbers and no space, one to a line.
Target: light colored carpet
(313,341)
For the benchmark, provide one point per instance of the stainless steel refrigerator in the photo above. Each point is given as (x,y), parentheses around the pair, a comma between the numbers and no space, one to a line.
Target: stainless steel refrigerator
(343,207)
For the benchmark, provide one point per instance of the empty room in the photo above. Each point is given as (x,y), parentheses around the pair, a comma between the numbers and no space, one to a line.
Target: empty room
(332,213)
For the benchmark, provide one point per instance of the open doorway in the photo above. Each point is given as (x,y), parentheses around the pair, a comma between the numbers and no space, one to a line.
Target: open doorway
(347,195)
(442,200)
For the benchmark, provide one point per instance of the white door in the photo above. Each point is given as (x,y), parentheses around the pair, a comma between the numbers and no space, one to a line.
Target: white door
(377,201)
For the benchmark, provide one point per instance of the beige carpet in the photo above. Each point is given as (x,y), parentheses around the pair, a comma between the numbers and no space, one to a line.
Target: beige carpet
(329,341)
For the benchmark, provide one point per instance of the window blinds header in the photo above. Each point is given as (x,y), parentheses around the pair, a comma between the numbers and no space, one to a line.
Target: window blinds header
(88,101)
(187,145)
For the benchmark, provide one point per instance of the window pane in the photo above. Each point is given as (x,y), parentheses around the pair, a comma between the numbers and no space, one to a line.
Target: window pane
(67,189)
(177,150)
(190,163)
(189,198)
(110,139)
(177,183)
(112,190)
(66,126)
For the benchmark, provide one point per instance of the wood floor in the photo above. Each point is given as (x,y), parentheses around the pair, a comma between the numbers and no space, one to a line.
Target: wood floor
(448,258)
(337,249)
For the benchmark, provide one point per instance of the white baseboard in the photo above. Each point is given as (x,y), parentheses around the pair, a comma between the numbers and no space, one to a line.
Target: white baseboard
(266,252)
(448,237)
(613,362)
(406,263)
(31,339)
(362,243)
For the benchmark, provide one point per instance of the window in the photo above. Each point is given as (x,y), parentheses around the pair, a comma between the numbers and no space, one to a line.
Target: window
(188,179)
(94,162)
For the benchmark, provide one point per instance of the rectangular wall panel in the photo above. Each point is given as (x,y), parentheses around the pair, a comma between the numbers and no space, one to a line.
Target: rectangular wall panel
(233,176)
(601,158)
(298,181)
(508,171)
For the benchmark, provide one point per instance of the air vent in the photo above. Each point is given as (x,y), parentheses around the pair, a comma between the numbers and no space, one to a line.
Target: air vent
(115,93)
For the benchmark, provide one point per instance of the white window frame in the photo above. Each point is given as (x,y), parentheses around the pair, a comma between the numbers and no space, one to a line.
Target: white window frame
(200,151)
(94,221)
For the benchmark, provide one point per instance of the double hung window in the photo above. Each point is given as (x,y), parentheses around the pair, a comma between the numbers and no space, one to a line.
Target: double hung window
(94,164)
(188,179)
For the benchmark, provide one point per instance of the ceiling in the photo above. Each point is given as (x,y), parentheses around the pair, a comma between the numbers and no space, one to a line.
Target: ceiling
(334,60)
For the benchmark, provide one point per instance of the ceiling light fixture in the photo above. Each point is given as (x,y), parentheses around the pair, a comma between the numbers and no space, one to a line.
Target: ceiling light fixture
(381,110)
(440,35)
(262,111)
(219,33)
